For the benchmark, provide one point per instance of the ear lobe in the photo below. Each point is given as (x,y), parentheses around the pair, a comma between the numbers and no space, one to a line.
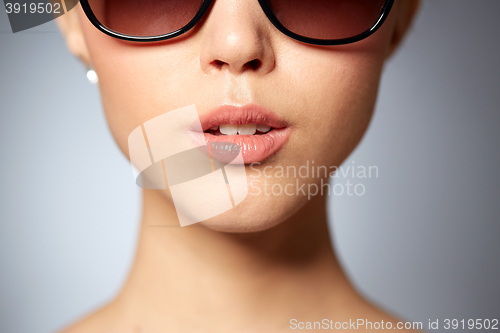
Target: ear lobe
(406,12)
(71,29)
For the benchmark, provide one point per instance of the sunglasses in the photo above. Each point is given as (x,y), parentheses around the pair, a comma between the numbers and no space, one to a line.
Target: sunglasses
(318,22)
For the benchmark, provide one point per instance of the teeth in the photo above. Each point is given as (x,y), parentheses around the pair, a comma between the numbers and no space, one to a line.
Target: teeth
(263,128)
(247,129)
(228,129)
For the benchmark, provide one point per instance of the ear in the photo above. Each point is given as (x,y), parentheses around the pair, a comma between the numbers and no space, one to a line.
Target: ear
(406,11)
(71,29)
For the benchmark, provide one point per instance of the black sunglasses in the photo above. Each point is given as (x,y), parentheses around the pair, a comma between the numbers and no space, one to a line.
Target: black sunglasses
(319,22)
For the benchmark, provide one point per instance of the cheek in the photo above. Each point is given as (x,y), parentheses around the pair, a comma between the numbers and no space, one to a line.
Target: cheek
(332,92)
(137,81)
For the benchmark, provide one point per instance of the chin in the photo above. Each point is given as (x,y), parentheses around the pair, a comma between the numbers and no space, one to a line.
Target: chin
(255,213)
(244,222)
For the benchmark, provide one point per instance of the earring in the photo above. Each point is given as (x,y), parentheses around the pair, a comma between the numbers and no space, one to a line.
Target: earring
(92,75)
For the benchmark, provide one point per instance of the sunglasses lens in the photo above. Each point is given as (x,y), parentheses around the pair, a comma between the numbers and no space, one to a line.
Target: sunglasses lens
(144,18)
(327,19)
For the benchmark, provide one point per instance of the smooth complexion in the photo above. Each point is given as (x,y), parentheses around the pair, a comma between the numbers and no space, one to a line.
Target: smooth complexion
(269,260)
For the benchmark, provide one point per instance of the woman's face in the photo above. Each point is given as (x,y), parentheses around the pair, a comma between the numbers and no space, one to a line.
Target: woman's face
(235,56)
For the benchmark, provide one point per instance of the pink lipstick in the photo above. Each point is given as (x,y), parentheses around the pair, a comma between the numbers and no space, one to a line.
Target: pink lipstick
(258,131)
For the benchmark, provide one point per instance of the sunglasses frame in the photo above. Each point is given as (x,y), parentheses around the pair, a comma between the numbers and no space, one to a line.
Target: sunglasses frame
(265,7)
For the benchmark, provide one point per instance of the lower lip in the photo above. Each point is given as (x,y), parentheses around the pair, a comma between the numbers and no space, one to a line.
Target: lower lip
(254,148)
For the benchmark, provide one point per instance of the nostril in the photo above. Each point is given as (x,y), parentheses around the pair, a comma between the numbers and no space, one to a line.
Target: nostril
(254,64)
(218,63)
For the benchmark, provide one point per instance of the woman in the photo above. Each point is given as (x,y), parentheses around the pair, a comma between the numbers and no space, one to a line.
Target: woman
(290,84)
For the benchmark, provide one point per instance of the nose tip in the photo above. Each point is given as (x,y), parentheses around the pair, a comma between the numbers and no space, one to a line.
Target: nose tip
(236,39)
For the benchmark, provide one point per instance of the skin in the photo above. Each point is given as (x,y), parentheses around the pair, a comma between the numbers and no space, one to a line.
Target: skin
(269,259)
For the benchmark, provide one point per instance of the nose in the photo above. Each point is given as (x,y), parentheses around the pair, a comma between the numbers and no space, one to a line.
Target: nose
(236,38)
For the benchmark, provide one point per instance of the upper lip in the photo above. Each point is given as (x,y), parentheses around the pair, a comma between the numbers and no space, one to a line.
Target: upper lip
(239,115)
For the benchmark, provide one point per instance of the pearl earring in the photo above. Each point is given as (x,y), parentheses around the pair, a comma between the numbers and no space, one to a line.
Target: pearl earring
(92,75)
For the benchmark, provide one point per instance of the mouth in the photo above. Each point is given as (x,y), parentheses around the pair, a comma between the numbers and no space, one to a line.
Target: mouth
(258,131)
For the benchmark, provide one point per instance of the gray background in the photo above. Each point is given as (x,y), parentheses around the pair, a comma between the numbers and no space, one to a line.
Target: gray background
(422,242)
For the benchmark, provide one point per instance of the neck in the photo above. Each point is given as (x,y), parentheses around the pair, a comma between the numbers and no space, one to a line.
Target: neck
(288,271)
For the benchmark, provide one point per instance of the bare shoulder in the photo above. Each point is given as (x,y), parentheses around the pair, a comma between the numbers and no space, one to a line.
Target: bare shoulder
(106,319)
(96,321)
(376,319)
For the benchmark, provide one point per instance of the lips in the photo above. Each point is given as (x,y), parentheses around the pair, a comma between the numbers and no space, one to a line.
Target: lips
(223,124)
